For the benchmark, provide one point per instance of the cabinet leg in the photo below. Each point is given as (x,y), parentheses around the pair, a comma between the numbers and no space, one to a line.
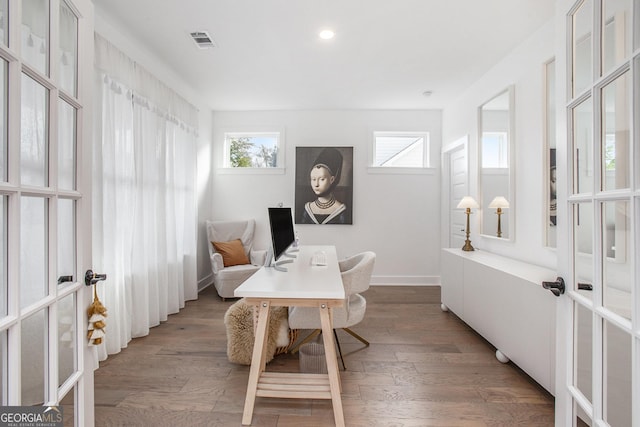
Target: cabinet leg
(444,307)
(501,357)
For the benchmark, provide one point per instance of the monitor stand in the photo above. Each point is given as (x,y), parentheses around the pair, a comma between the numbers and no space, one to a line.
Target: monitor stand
(291,253)
(278,264)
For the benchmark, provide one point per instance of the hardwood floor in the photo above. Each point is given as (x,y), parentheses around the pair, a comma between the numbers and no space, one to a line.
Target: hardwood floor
(423,368)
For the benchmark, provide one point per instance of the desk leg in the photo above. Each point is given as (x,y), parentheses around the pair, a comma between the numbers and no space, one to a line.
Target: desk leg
(332,364)
(257,361)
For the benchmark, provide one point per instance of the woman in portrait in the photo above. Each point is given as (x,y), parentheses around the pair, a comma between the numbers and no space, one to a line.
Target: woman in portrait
(324,177)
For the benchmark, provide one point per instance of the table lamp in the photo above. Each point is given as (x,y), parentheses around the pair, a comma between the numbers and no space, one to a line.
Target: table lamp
(467,203)
(499,203)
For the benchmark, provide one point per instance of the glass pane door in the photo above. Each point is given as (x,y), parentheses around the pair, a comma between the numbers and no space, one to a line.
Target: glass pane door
(604,201)
(44,356)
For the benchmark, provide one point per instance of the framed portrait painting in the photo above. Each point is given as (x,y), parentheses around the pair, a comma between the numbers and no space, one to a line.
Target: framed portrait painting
(324,185)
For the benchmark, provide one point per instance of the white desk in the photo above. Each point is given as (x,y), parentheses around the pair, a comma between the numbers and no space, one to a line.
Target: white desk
(302,285)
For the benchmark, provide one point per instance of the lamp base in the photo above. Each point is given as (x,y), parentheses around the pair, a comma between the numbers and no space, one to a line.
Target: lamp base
(467,246)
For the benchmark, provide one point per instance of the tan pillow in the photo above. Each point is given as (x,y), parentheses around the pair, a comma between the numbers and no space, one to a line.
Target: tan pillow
(232,252)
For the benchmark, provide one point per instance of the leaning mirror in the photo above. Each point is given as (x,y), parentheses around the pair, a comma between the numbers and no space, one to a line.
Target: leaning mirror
(496,165)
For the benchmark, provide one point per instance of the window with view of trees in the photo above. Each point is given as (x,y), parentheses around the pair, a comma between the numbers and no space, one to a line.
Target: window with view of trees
(252,150)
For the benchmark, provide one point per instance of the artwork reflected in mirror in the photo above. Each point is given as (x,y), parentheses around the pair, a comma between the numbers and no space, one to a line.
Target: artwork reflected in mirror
(496,151)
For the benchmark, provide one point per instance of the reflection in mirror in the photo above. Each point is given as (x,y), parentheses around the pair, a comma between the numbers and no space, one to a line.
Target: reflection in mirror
(550,143)
(496,151)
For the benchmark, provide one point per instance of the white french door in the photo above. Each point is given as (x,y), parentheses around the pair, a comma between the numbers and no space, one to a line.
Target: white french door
(598,363)
(46,57)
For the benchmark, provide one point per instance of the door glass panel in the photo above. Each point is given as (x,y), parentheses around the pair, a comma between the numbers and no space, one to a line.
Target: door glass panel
(4,376)
(3,257)
(68,49)
(583,246)
(583,147)
(66,239)
(583,349)
(616,28)
(68,404)
(33,250)
(616,134)
(33,358)
(4,20)
(582,419)
(66,338)
(3,119)
(35,34)
(67,146)
(636,33)
(616,262)
(581,47)
(617,376)
(33,133)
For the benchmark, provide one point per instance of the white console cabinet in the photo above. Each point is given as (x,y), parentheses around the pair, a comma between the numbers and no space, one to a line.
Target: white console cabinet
(503,300)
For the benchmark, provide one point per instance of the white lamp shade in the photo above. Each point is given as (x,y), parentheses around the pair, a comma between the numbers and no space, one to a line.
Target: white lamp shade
(499,202)
(468,202)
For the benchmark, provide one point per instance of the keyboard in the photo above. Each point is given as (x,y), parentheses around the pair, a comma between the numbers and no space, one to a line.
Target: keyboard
(319,258)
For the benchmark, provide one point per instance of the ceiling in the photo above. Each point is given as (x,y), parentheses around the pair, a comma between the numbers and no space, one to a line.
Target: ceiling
(385,53)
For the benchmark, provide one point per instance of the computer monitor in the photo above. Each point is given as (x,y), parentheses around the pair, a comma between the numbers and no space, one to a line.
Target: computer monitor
(282,232)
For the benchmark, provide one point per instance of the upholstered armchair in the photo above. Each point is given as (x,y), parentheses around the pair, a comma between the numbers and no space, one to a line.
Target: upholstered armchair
(356,277)
(233,259)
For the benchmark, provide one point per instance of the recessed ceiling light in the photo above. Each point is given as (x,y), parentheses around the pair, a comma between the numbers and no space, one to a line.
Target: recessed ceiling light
(326,34)
(427,93)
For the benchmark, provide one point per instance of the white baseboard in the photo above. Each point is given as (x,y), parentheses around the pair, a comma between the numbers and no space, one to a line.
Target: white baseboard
(405,280)
(205,282)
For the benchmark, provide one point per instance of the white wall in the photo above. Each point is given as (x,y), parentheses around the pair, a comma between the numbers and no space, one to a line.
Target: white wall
(121,37)
(395,215)
(522,68)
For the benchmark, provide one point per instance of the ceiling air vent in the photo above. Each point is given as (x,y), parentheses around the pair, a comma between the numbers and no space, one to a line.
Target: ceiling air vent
(202,39)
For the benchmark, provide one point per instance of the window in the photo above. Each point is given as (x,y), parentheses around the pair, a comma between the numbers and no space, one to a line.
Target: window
(495,151)
(253,150)
(400,150)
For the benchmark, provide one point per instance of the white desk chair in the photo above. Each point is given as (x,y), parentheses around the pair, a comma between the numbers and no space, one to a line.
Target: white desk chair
(356,277)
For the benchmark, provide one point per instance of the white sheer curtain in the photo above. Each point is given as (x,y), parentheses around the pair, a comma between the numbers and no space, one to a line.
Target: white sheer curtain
(144,226)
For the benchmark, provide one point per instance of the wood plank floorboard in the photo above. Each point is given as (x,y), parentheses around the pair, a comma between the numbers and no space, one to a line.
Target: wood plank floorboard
(424,367)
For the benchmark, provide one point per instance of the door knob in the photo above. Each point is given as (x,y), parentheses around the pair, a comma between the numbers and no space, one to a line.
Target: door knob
(91,278)
(556,287)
